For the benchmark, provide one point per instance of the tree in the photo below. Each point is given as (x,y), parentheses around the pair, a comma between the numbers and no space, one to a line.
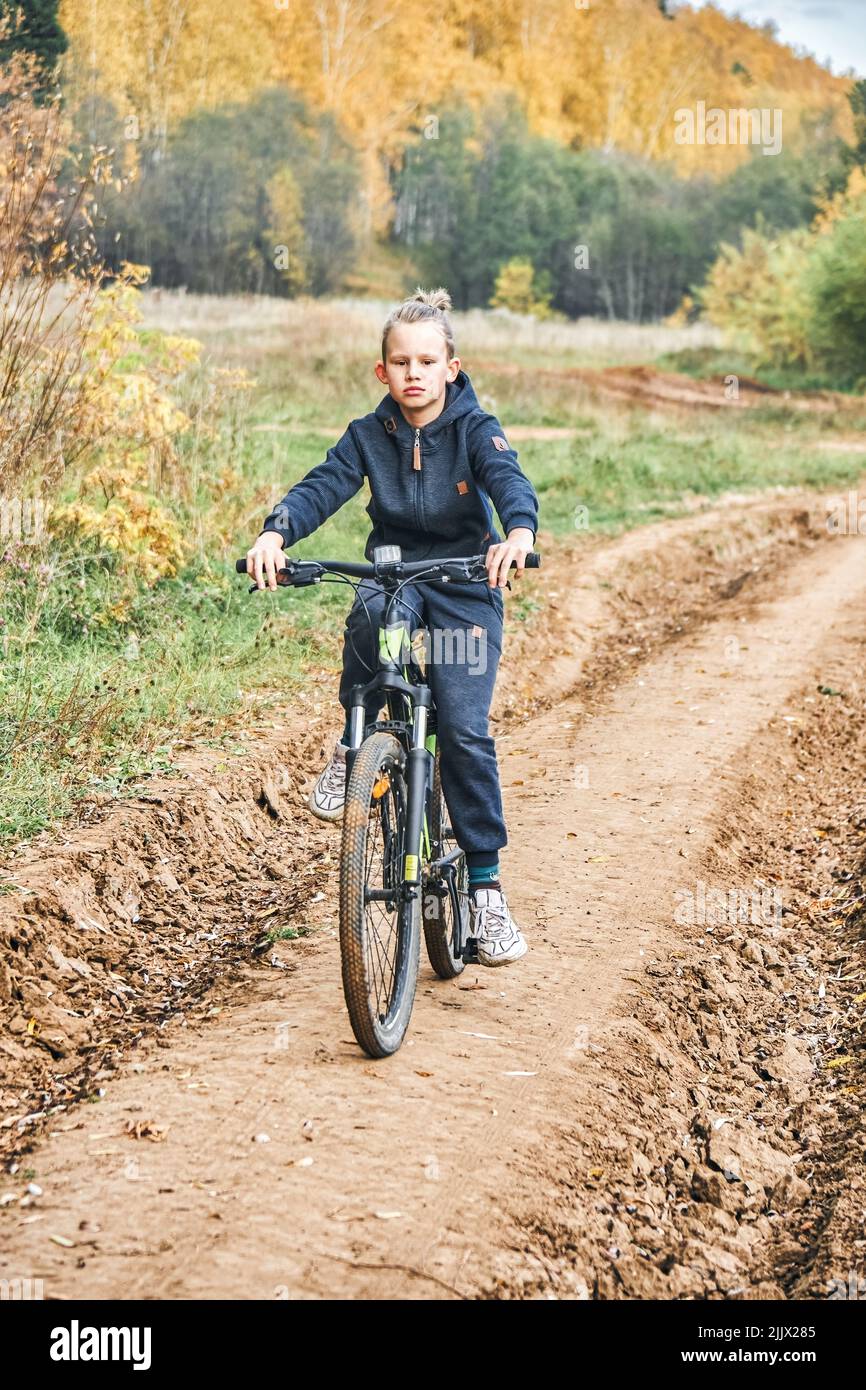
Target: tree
(33,28)
(253,196)
(856,155)
(519,289)
(836,282)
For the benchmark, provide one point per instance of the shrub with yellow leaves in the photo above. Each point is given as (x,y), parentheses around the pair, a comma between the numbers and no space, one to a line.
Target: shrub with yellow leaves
(135,422)
(797,299)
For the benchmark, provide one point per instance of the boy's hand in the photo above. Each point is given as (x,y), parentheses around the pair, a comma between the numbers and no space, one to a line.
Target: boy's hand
(265,558)
(498,558)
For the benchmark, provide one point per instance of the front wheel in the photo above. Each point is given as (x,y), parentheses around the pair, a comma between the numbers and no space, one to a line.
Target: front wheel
(379,936)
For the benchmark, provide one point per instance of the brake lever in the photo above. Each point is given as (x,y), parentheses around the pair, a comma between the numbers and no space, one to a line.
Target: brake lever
(481,575)
(286,583)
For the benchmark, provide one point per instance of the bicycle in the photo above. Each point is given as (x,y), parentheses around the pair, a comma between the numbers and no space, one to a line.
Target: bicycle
(394,795)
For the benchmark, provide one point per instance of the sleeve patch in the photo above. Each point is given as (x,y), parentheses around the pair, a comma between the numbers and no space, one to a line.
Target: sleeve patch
(500,442)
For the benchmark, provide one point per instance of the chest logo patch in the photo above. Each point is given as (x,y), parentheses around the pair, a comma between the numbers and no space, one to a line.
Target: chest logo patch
(462,487)
(499,441)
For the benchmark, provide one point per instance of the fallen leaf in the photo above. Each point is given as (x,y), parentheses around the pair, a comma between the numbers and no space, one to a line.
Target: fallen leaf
(146,1129)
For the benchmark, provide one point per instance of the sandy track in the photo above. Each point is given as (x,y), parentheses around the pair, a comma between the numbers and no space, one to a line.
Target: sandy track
(420,1162)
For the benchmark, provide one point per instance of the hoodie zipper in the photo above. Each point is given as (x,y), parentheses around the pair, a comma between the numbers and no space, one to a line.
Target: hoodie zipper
(416,470)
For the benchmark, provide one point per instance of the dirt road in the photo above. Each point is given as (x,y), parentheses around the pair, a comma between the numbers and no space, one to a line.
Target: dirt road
(491,1155)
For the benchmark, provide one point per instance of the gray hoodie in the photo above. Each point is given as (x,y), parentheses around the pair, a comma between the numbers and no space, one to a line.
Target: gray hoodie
(431,487)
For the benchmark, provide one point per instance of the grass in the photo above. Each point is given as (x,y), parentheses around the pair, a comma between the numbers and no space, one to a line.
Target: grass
(288,933)
(642,470)
(90,704)
(711,360)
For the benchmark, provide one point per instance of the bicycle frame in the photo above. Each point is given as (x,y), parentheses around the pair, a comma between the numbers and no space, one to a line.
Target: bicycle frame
(393,680)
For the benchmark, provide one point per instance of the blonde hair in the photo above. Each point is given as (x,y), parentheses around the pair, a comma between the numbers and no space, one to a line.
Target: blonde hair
(423,305)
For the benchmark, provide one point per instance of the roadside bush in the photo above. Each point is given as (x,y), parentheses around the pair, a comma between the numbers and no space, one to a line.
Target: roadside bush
(799,299)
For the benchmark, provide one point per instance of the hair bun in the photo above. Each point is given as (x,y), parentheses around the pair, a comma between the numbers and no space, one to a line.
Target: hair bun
(437,299)
(424,306)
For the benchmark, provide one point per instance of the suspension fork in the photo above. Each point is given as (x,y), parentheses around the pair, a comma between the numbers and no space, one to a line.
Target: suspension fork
(418,769)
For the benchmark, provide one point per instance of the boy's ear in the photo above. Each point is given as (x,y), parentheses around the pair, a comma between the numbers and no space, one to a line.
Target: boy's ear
(453,369)
(379,369)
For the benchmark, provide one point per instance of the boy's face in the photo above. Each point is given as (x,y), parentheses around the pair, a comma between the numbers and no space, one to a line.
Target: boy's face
(417,370)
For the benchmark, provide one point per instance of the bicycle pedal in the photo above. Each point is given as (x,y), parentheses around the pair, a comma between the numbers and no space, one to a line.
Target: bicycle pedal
(469,954)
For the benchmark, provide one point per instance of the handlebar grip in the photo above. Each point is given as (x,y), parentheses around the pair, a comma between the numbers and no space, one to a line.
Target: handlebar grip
(241,566)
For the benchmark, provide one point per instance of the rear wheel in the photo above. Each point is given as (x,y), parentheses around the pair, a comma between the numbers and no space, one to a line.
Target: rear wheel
(379,937)
(444,931)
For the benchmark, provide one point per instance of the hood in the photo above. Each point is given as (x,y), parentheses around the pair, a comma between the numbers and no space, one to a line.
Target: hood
(460,399)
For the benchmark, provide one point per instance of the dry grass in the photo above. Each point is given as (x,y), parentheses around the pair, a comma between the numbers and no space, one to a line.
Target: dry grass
(259,325)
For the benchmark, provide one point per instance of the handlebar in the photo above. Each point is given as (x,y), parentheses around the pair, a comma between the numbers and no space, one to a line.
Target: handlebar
(297,573)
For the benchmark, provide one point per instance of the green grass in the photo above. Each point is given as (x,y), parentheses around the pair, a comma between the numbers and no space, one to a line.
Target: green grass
(721,362)
(288,933)
(91,704)
(644,471)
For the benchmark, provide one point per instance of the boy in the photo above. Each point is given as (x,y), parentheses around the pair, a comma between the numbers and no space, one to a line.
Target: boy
(433,459)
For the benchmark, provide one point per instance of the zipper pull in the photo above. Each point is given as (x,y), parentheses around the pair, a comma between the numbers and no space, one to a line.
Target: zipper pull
(416,452)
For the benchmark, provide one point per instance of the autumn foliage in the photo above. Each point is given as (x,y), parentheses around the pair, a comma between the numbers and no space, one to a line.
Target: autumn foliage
(799,299)
(601,75)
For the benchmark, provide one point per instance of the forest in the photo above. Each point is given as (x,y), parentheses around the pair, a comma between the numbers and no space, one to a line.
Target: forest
(541,156)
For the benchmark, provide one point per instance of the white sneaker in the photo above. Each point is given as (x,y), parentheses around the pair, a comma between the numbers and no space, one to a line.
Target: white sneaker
(500,940)
(328,796)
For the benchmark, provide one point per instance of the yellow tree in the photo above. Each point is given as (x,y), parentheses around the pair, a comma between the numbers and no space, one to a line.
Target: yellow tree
(607,73)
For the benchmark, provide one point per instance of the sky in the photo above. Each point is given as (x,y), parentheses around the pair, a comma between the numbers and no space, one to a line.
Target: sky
(834,29)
